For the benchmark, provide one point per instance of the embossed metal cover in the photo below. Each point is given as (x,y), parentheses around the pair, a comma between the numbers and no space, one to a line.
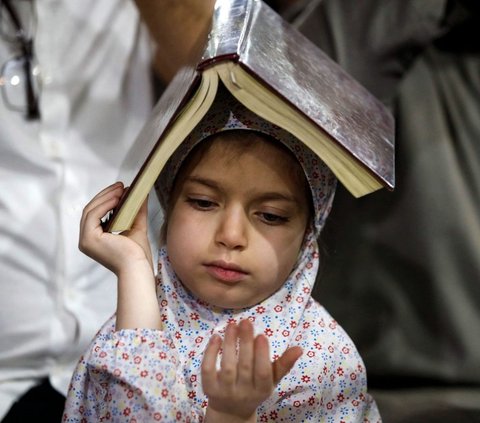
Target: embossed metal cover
(249,32)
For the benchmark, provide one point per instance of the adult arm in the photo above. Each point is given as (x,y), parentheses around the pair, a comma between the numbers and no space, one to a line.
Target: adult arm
(179,29)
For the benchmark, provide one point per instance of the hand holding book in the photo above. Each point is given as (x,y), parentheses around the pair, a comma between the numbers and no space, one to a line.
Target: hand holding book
(127,255)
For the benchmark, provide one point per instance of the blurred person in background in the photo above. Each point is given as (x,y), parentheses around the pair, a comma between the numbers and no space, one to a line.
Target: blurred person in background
(403,278)
(75,88)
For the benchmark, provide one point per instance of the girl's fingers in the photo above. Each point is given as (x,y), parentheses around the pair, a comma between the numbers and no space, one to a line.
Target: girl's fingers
(246,352)
(90,223)
(228,372)
(106,191)
(102,203)
(285,363)
(245,379)
(209,364)
(263,377)
(252,364)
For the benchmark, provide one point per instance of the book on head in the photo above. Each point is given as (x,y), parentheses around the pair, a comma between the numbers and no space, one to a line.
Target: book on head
(280,75)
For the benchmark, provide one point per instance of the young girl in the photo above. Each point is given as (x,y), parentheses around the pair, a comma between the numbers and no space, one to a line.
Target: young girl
(227,331)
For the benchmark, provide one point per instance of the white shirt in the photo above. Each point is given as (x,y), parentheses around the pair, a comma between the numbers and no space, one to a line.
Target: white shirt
(96,95)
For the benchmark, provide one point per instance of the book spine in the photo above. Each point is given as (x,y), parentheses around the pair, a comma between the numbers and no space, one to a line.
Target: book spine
(231,23)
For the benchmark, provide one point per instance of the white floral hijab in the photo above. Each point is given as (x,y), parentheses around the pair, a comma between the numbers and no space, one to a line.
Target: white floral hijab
(329,379)
(139,375)
(228,114)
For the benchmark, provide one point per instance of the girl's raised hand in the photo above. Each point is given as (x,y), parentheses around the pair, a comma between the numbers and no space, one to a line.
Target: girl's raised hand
(246,377)
(115,252)
(128,255)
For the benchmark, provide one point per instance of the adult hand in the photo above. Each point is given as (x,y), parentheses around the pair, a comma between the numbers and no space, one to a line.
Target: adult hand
(179,29)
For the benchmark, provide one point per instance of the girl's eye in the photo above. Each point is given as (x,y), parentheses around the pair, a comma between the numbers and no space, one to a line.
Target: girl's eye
(272,219)
(201,204)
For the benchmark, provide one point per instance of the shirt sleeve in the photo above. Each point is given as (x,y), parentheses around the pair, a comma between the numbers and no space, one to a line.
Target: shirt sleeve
(129,375)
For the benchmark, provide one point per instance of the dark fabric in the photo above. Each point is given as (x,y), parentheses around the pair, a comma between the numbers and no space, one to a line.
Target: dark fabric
(429,405)
(42,403)
(402,273)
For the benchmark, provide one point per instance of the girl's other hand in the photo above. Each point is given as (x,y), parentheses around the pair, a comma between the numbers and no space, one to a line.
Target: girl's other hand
(246,378)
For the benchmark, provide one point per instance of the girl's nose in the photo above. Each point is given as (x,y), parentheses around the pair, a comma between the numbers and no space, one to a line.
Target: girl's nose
(232,229)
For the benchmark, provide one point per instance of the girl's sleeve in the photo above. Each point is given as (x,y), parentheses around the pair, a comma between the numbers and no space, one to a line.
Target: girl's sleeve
(129,375)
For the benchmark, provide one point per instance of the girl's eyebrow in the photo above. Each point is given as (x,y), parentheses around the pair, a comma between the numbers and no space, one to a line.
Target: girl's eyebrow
(210,183)
(277,196)
(264,196)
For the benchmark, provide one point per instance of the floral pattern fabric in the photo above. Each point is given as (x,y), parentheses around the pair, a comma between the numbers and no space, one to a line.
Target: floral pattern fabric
(151,375)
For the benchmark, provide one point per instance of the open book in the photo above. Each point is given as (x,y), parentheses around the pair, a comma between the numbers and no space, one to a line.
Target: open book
(281,76)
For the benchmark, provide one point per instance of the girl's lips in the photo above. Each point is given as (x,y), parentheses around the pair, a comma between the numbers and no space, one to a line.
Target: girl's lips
(225,272)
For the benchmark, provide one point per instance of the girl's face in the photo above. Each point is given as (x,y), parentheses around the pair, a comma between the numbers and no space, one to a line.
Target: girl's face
(237,222)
